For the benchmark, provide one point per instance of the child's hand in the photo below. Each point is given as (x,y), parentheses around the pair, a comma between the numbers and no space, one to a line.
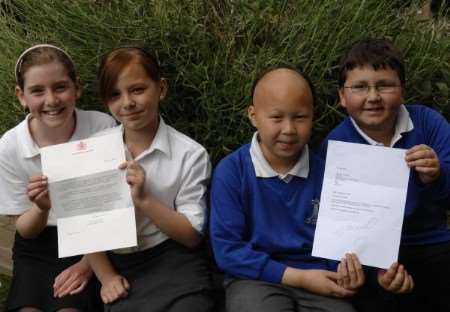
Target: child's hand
(113,288)
(425,161)
(350,273)
(136,180)
(396,279)
(321,282)
(37,191)
(72,280)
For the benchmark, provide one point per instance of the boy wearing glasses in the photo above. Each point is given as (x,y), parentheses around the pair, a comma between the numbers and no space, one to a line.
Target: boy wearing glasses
(371,81)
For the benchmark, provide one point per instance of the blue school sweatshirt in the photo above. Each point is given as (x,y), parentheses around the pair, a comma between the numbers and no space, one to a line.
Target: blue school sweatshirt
(259,226)
(425,220)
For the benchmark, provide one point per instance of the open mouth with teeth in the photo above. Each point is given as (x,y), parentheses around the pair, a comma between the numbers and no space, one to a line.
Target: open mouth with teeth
(53,112)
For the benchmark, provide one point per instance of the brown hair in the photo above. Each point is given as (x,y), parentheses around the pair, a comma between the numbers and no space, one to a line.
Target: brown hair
(377,53)
(115,61)
(40,55)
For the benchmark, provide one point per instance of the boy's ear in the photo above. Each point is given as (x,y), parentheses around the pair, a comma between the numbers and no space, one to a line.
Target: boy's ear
(78,87)
(251,115)
(342,98)
(164,87)
(20,97)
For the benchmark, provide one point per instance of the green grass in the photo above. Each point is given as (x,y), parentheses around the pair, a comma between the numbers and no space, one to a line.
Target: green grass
(211,50)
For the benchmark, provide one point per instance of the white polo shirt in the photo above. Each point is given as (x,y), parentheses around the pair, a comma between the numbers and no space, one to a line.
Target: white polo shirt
(264,170)
(20,159)
(177,172)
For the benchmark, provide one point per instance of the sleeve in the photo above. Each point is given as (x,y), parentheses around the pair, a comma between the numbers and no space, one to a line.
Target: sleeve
(12,185)
(438,138)
(104,121)
(191,197)
(229,235)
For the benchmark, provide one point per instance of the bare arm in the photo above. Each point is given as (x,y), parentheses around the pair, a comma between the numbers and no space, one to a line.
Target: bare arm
(321,282)
(170,222)
(114,286)
(34,220)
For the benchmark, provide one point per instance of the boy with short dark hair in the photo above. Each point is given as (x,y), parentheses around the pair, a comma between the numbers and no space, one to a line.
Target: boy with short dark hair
(371,83)
(264,200)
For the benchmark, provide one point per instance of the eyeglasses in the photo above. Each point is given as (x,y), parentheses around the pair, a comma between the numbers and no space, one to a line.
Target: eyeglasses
(380,88)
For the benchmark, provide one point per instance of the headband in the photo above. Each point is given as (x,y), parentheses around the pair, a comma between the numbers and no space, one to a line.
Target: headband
(18,66)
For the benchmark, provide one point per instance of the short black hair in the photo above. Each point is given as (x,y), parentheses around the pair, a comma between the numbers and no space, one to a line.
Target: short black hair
(377,53)
(270,69)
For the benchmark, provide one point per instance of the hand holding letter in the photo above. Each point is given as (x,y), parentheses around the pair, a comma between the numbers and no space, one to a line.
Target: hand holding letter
(350,273)
(425,161)
(37,191)
(136,180)
(396,279)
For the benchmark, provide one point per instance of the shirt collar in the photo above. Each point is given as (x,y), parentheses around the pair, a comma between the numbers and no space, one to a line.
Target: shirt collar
(29,146)
(161,141)
(264,170)
(402,125)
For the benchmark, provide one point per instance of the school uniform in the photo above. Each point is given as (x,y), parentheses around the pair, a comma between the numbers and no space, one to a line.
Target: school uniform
(261,223)
(425,241)
(36,262)
(165,275)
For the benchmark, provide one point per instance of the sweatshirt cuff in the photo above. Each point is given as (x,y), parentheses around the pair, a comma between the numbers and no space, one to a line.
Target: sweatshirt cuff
(273,272)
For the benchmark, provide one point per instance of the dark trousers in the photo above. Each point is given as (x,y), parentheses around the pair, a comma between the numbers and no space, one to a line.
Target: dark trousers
(429,265)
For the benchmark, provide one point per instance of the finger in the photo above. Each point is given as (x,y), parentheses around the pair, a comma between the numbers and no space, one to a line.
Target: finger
(123,165)
(42,195)
(341,292)
(333,276)
(67,285)
(397,282)
(411,282)
(59,282)
(125,283)
(70,287)
(360,276)
(431,171)
(104,298)
(406,284)
(389,275)
(353,278)
(424,162)
(36,184)
(118,290)
(345,273)
(339,270)
(79,289)
(37,178)
(33,193)
(417,148)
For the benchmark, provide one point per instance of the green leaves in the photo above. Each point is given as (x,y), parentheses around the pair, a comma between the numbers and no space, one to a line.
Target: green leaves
(211,50)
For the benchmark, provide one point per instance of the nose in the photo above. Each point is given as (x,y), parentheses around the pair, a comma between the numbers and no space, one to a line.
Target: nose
(128,102)
(289,127)
(51,98)
(373,94)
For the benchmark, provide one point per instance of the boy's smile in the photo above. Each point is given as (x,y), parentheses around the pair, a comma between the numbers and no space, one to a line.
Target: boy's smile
(372,98)
(282,112)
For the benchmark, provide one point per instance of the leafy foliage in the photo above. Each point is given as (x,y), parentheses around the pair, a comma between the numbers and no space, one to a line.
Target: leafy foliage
(211,50)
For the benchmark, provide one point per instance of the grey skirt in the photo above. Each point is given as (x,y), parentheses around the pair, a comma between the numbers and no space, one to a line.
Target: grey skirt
(162,277)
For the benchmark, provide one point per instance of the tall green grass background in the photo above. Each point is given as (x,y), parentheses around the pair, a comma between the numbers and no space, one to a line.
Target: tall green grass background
(210,52)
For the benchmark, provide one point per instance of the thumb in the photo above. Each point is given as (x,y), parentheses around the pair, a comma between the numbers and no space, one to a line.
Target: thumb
(125,283)
(332,275)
